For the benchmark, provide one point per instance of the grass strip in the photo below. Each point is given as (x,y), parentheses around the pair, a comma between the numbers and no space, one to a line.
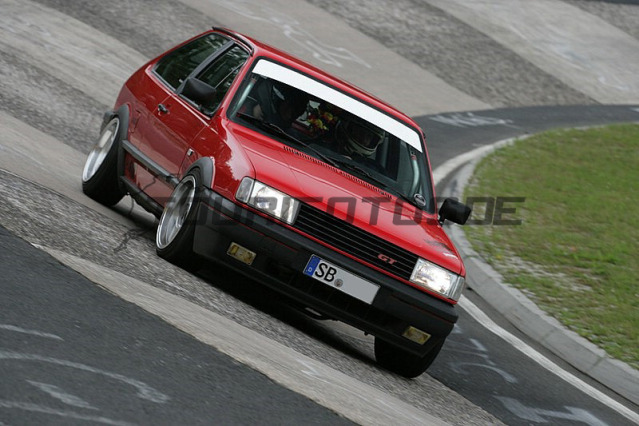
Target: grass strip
(576,251)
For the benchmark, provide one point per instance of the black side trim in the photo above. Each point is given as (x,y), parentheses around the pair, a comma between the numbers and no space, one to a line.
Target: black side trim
(149,164)
(141,198)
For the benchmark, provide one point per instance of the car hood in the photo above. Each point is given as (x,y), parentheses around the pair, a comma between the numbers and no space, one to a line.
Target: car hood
(349,198)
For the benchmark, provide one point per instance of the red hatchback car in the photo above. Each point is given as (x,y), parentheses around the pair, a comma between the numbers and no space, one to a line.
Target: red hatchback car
(259,161)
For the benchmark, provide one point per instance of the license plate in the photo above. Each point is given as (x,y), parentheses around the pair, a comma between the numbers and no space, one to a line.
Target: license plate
(340,279)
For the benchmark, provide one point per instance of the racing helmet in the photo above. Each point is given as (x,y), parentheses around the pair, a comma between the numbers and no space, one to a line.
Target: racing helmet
(358,136)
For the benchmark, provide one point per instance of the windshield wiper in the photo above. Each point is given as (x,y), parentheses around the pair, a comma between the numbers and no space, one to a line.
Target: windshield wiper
(274,128)
(361,171)
(333,161)
(365,173)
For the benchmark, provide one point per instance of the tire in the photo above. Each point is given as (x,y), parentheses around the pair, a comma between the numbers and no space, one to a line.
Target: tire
(174,236)
(402,362)
(100,173)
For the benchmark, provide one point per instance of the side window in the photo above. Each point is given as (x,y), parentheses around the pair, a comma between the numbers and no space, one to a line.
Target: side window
(221,73)
(177,65)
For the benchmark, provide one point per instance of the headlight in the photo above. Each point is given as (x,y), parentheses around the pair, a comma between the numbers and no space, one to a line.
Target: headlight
(268,200)
(434,278)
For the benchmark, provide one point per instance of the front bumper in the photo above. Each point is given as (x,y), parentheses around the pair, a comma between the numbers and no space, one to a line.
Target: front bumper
(282,255)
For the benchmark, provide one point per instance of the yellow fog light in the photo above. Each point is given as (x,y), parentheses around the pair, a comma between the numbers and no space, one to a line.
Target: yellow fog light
(416,335)
(241,253)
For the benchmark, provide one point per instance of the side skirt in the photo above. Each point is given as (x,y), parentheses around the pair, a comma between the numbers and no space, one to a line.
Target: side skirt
(142,198)
(149,164)
(136,193)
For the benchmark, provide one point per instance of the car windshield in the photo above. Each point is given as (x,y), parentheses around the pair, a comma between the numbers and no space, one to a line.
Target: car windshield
(335,128)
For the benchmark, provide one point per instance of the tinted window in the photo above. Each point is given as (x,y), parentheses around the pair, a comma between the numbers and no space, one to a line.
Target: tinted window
(221,73)
(177,65)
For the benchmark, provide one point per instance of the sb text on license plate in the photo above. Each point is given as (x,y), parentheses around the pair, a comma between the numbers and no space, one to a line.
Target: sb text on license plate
(340,279)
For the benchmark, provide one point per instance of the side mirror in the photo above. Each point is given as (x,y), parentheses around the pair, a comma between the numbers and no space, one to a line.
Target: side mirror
(199,92)
(454,211)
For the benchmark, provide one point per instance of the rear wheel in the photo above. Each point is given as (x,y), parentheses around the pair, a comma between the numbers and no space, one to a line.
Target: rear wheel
(174,236)
(100,173)
(402,362)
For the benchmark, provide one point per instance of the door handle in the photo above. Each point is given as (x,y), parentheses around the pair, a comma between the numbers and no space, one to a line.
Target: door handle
(163,109)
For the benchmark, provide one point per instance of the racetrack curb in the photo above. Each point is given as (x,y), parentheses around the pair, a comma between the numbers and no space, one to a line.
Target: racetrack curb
(519,309)
(319,382)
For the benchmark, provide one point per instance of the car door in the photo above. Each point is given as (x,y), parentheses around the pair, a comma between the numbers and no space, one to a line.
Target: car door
(167,122)
(219,74)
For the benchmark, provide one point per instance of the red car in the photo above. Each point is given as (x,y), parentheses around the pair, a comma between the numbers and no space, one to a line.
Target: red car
(256,160)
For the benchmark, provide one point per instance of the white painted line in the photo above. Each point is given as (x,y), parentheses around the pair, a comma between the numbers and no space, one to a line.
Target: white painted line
(518,344)
(440,173)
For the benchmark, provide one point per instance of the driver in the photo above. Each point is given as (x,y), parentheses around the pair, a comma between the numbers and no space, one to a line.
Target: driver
(358,137)
(279,103)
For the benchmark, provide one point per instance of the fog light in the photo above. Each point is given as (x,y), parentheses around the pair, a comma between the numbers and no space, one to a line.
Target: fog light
(241,253)
(416,335)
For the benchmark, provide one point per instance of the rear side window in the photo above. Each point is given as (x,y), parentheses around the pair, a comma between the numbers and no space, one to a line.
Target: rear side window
(177,65)
(221,73)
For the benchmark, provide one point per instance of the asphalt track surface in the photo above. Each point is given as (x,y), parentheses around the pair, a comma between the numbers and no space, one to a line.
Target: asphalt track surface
(53,377)
(95,358)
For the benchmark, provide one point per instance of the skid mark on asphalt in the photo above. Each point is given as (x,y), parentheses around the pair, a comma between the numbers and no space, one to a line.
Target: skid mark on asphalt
(470,119)
(35,408)
(72,51)
(61,395)
(544,416)
(580,49)
(295,32)
(521,346)
(474,348)
(490,325)
(352,398)
(144,391)
(10,327)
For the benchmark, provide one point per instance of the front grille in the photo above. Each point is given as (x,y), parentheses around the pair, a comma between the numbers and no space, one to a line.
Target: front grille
(355,241)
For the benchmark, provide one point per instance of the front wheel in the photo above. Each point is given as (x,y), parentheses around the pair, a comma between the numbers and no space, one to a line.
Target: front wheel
(174,236)
(100,173)
(402,362)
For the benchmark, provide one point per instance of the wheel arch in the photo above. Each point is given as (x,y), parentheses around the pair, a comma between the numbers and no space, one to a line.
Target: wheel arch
(206,165)
(123,113)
